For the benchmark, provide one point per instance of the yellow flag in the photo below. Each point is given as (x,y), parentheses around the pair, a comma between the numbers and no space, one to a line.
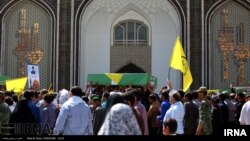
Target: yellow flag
(179,62)
(16,85)
(115,77)
(50,89)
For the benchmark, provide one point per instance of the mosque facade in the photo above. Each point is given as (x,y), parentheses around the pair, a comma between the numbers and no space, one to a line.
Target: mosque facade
(69,39)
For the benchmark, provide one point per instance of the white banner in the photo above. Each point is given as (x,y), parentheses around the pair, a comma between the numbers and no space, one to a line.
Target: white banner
(33,77)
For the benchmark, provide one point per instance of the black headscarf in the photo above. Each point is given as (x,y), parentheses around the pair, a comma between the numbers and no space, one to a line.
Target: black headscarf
(112,100)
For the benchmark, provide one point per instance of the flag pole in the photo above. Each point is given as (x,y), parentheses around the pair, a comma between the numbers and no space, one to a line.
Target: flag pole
(168,73)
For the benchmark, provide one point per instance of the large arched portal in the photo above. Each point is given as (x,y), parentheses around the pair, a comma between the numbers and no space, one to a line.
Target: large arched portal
(114,33)
(228,53)
(27,33)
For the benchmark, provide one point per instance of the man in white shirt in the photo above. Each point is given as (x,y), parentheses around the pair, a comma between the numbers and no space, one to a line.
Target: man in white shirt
(176,111)
(244,115)
(75,116)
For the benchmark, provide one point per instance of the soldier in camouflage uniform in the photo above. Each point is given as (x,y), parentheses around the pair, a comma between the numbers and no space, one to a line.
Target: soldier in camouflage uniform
(205,125)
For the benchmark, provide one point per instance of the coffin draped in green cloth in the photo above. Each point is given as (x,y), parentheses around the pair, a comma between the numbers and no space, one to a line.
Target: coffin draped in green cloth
(3,79)
(236,89)
(119,78)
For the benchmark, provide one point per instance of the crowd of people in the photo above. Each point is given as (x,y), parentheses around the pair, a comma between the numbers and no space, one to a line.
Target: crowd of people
(115,110)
